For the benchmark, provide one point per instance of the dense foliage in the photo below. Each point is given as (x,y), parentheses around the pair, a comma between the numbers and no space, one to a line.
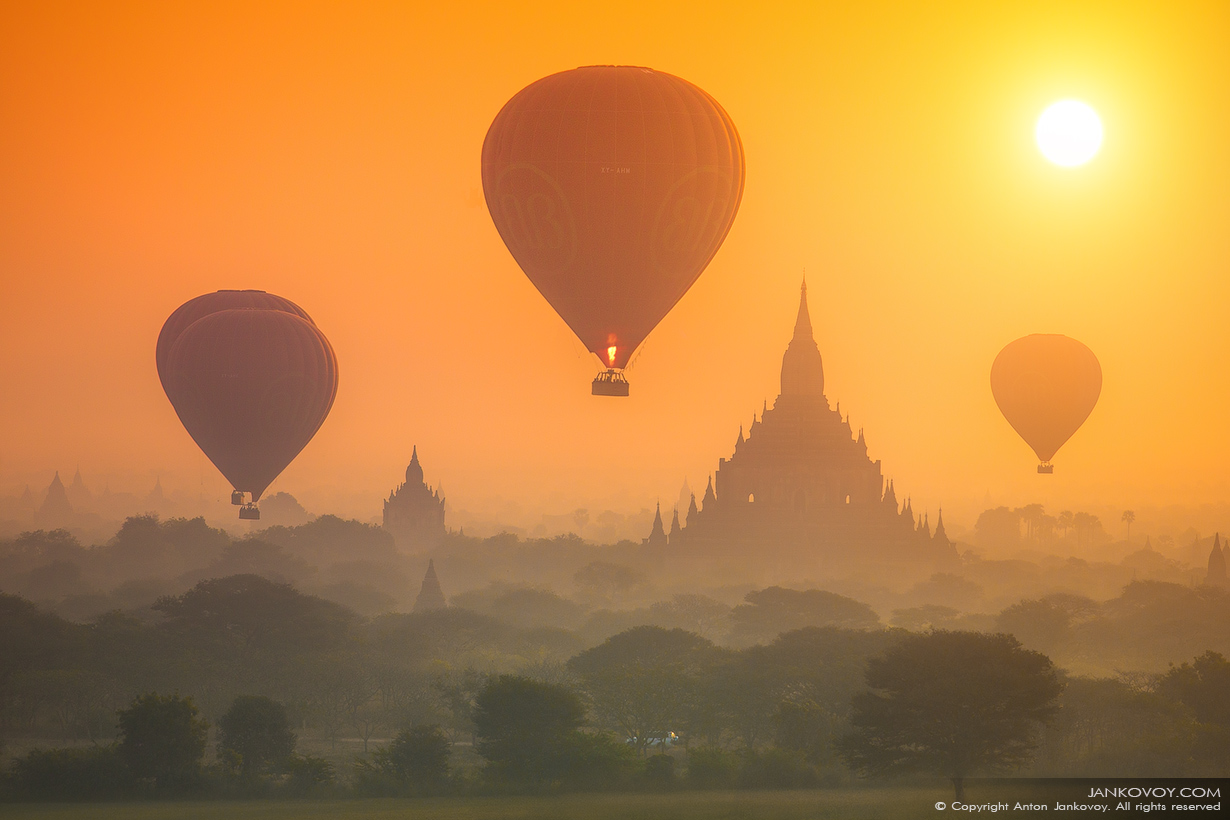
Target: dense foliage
(955,703)
(526,689)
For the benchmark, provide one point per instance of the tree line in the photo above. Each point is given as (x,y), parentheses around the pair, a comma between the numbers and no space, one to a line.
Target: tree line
(472,703)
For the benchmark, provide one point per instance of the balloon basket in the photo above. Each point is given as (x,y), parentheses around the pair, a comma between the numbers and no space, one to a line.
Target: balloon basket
(610,383)
(1046,468)
(237,498)
(250,512)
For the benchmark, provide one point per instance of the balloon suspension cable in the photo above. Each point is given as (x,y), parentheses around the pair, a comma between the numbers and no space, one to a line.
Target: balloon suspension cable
(636,354)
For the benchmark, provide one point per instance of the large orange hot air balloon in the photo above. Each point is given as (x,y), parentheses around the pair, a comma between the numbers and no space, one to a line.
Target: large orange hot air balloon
(194,309)
(613,187)
(251,387)
(1046,386)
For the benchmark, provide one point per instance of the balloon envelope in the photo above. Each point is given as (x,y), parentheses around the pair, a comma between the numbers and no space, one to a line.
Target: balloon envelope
(194,309)
(1046,385)
(251,387)
(613,187)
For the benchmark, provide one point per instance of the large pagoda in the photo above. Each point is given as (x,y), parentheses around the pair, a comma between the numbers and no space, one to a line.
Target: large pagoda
(801,483)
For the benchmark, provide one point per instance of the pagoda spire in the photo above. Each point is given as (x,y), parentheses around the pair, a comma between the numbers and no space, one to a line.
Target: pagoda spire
(657,535)
(710,497)
(55,509)
(890,496)
(414,472)
(1216,575)
(802,366)
(802,323)
(431,596)
(940,534)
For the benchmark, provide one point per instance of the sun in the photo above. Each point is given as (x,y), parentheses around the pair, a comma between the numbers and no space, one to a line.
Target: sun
(1069,133)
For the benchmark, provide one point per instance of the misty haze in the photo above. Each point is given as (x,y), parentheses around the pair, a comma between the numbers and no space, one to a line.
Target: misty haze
(694,411)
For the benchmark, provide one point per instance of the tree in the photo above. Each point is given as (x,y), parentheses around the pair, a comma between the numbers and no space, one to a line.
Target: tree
(607,580)
(524,729)
(163,740)
(951,702)
(797,689)
(255,730)
(695,613)
(769,612)
(415,763)
(1203,686)
(645,680)
(1066,521)
(1045,624)
(1110,728)
(1128,517)
(247,633)
(1088,528)
(999,527)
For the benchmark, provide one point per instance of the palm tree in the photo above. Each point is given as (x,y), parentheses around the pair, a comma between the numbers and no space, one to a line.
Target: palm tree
(1128,518)
(1066,521)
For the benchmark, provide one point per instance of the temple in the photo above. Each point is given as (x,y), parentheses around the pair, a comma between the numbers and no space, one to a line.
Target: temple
(414,512)
(56,510)
(1216,575)
(801,485)
(431,596)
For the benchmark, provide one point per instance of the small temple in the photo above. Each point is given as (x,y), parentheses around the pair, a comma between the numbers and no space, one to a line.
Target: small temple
(414,512)
(1216,575)
(56,510)
(430,597)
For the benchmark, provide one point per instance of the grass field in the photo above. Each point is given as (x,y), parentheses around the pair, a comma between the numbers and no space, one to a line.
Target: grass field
(857,804)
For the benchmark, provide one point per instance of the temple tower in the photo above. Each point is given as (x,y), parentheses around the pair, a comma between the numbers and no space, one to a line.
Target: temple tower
(431,597)
(801,485)
(55,511)
(657,535)
(1216,575)
(414,512)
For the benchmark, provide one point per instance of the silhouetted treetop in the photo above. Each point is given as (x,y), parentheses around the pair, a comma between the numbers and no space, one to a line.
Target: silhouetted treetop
(256,613)
(769,612)
(951,702)
(329,539)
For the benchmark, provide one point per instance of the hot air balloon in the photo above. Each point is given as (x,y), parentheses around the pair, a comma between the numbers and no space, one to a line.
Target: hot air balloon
(194,309)
(613,187)
(1046,386)
(251,386)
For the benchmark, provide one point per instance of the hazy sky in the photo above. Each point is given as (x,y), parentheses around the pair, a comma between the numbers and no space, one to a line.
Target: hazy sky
(330,153)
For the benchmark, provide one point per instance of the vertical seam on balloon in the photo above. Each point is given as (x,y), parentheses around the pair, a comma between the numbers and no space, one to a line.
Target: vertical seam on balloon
(585,164)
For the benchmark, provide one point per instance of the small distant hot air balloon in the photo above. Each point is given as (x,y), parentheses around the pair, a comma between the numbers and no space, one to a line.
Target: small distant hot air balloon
(251,386)
(613,187)
(1046,385)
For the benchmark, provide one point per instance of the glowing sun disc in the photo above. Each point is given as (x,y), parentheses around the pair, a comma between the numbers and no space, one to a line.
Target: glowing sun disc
(1069,133)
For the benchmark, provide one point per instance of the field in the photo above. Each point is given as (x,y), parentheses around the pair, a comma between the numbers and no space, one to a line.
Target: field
(856,804)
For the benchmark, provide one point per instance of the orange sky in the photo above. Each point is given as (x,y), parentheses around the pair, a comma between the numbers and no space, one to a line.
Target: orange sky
(331,154)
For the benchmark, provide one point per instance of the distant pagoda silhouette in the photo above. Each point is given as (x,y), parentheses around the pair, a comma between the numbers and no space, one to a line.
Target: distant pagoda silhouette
(414,512)
(55,511)
(801,485)
(430,597)
(78,494)
(657,536)
(1216,575)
